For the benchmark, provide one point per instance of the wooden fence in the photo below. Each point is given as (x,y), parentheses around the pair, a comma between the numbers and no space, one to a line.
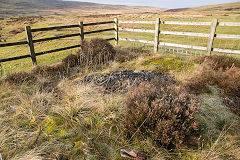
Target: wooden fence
(30,41)
(157,36)
(214,24)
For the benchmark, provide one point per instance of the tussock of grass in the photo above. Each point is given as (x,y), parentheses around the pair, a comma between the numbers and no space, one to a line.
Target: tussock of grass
(219,61)
(20,77)
(93,52)
(128,54)
(55,128)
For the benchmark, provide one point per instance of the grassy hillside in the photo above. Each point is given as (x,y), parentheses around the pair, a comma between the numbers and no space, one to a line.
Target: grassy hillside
(46,7)
(226,7)
(219,7)
(26,7)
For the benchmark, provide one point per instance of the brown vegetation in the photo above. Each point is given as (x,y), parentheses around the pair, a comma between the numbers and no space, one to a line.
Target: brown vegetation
(161,111)
(93,52)
(20,77)
(222,71)
(127,54)
(53,70)
(218,61)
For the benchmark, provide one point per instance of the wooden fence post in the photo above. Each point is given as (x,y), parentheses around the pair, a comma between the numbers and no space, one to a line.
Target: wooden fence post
(116,31)
(81,32)
(211,36)
(157,32)
(31,46)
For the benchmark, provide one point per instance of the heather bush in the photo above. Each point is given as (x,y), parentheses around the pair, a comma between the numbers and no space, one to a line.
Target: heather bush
(52,70)
(202,78)
(232,102)
(221,71)
(20,77)
(219,61)
(71,60)
(221,74)
(230,81)
(161,111)
(93,52)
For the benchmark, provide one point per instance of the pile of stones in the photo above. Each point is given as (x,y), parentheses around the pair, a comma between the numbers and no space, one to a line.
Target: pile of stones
(122,81)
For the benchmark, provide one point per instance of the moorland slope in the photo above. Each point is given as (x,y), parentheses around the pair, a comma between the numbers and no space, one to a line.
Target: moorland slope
(10,8)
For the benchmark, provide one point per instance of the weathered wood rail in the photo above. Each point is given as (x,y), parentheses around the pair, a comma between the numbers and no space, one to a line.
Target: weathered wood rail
(30,41)
(211,36)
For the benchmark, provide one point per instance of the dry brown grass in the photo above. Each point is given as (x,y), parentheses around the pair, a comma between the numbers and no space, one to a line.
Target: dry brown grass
(128,54)
(222,71)
(94,52)
(20,77)
(230,81)
(204,76)
(50,71)
(71,60)
(218,61)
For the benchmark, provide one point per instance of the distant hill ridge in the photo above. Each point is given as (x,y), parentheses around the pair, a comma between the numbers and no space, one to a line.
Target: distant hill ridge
(45,7)
(40,4)
(235,6)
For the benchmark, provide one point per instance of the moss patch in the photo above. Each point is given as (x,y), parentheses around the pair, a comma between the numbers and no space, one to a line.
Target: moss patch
(53,127)
(167,64)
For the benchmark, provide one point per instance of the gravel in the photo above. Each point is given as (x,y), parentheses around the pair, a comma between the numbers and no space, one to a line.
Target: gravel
(122,81)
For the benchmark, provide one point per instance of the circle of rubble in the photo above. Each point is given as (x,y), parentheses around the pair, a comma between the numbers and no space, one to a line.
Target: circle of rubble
(122,81)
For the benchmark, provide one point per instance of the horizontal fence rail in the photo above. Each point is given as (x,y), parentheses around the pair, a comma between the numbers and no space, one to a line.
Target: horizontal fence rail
(53,28)
(136,40)
(57,50)
(98,23)
(13,44)
(98,31)
(136,30)
(228,36)
(14,58)
(138,22)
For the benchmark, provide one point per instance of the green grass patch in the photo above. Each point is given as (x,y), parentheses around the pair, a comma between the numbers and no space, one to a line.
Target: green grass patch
(167,64)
